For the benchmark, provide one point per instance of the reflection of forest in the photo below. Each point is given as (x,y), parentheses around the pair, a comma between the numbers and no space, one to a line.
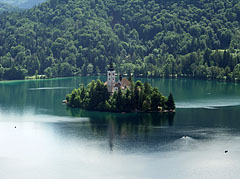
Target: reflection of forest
(123,124)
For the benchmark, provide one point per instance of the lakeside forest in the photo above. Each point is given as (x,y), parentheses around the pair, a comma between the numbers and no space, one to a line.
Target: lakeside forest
(157,38)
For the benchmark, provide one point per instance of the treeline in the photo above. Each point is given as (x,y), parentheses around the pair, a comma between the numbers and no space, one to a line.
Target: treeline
(148,38)
(8,8)
(139,97)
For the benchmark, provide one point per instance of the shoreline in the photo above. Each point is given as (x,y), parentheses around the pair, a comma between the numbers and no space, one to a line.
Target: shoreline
(160,77)
(121,112)
(129,112)
(46,79)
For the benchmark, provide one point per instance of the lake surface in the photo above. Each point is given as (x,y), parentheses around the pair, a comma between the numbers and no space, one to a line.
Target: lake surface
(42,138)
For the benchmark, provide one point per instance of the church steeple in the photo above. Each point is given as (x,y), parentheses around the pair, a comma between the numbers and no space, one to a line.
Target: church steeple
(110,78)
(111,68)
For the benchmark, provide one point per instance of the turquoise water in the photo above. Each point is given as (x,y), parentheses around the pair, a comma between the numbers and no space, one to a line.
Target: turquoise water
(42,138)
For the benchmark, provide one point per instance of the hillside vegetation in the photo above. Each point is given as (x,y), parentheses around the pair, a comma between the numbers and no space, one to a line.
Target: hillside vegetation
(198,38)
(7,8)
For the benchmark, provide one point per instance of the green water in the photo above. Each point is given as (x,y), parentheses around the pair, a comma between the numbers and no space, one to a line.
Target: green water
(53,141)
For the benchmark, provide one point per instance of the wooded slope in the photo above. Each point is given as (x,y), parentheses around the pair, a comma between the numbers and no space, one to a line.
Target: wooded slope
(150,38)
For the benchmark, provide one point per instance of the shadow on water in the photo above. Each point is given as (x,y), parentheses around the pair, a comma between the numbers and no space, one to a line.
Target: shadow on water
(124,128)
(120,120)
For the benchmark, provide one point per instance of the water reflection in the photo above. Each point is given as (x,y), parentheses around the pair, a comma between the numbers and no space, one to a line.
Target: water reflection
(52,142)
(115,125)
(45,96)
(125,123)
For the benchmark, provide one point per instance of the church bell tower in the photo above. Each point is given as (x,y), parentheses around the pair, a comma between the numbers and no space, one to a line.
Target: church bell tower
(110,78)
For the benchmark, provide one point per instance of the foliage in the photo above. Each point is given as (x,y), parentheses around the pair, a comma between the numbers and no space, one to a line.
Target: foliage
(170,102)
(139,97)
(154,38)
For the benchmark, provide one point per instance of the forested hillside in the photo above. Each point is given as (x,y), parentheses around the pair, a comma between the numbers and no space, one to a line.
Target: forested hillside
(6,7)
(199,38)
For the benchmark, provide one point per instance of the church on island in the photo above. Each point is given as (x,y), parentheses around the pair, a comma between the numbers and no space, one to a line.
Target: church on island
(112,85)
(90,98)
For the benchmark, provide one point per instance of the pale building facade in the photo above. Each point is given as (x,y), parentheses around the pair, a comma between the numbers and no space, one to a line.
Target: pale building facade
(112,85)
(110,78)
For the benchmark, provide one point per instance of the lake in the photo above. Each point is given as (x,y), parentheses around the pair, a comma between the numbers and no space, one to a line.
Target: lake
(42,138)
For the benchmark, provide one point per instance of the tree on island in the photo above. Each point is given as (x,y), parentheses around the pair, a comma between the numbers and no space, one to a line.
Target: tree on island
(138,97)
(170,102)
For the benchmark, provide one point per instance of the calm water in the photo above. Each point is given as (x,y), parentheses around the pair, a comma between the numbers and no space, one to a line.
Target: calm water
(54,142)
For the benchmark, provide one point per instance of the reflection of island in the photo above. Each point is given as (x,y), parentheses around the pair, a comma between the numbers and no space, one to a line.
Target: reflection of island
(123,125)
(111,133)
(123,96)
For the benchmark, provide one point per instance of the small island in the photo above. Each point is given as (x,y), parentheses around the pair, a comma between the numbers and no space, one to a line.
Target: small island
(122,96)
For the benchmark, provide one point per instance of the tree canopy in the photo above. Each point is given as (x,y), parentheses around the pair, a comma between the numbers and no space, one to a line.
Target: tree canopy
(148,38)
(138,97)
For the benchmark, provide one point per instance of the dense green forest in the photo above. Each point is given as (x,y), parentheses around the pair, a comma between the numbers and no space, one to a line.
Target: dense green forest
(156,38)
(138,97)
(6,7)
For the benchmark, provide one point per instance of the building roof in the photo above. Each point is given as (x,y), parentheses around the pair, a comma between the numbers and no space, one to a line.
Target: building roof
(111,68)
(121,84)
(125,82)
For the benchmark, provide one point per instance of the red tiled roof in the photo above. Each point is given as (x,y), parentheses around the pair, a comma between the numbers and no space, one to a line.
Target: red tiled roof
(125,82)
